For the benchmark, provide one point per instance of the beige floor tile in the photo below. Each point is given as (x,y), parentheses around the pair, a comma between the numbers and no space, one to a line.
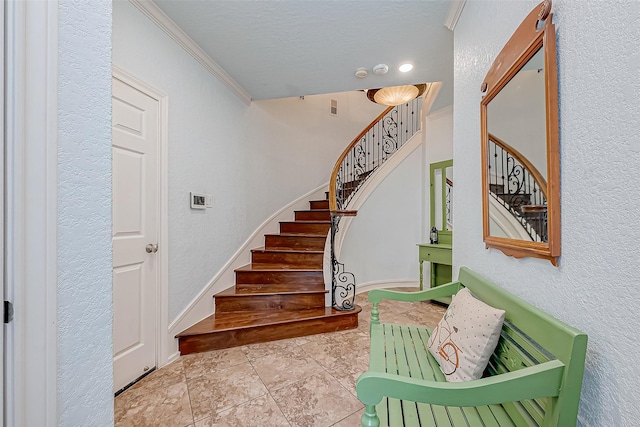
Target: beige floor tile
(161,399)
(281,369)
(317,401)
(352,420)
(199,364)
(262,412)
(220,390)
(312,379)
(348,370)
(256,351)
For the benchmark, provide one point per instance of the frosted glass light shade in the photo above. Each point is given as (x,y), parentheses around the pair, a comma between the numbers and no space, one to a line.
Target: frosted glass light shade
(395,95)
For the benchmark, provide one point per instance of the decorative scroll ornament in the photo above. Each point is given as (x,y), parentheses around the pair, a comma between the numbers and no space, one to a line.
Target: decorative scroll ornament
(343,283)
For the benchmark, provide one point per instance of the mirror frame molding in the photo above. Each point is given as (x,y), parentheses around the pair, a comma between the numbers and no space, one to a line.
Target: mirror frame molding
(523,44)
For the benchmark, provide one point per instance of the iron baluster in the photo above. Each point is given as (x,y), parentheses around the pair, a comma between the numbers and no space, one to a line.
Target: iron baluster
(374,147)
(521,194)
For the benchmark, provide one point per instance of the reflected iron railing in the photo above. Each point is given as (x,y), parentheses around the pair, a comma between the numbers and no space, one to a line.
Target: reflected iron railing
(519,187)
(449,202)
(367,152)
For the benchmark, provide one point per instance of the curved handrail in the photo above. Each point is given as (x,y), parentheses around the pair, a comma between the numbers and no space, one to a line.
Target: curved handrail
(333,202)
(535,173)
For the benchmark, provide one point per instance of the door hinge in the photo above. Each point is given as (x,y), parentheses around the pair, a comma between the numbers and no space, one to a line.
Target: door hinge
(8,312)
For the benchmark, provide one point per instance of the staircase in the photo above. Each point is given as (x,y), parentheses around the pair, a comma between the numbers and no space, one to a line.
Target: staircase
(281,294)
(533,217)
(518,186)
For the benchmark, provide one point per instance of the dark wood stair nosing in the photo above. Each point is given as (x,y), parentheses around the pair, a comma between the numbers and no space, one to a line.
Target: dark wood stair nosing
(287,250)
(334,314)
(249,268)
(258,294)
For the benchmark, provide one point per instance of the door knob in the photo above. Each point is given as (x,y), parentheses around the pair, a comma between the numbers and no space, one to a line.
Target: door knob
(152,248)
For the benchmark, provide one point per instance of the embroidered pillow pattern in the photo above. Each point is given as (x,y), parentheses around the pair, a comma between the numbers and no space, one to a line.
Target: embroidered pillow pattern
(465,338)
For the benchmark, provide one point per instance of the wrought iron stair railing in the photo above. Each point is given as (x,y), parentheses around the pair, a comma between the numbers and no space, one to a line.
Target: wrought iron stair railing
(448,200)
(366,153)
(517,185)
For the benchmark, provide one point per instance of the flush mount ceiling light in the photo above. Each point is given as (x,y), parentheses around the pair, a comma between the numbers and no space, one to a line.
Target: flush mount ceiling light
(396,95)
(406,67)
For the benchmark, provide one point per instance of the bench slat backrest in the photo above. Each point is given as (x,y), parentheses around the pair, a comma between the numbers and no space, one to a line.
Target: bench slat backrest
(531,336)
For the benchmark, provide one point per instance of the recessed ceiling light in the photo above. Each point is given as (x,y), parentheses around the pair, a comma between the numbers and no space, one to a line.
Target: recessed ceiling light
(405,67)
(361,73)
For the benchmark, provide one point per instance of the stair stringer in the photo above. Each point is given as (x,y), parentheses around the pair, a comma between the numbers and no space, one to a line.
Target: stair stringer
(203,305)
(359,198)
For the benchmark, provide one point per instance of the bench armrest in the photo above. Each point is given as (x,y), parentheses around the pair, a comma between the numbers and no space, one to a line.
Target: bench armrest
(376,295)
(529,383)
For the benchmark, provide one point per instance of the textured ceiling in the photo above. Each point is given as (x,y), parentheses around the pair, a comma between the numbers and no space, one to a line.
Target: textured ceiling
(276,49)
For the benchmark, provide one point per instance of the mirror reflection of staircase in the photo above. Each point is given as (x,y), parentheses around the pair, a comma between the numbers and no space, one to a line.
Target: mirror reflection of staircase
(281,294)
(518,187)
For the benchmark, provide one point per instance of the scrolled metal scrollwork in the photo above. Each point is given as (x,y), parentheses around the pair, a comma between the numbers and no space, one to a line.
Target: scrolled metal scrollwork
(516,191)
(368,152)
(343,283)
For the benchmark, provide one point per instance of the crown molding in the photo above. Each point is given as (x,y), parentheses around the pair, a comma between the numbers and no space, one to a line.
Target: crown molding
(453,14)
(166,24)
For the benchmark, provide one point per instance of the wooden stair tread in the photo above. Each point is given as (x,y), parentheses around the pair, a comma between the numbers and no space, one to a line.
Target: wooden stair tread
(252,288)
(258,294)
(279,268)
(295,235)
(286,250)
(307,221)
(219,322)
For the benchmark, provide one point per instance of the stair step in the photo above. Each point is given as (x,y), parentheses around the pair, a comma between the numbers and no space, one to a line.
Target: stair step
(294,241)
(319,204)
(319,228)
(225,330)
(289,258)
(259,288)
(313,215)
(257,273)
(270,301)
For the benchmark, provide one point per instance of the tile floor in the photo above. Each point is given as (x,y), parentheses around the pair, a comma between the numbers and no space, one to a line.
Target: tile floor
(301,382)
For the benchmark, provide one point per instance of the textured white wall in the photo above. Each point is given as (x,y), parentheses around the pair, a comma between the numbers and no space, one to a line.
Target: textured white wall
(595,288)
(438,147)
(85,359)
(252,159)
(380,244)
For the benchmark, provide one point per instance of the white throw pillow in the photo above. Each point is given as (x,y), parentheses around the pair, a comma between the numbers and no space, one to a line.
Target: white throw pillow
(465,338)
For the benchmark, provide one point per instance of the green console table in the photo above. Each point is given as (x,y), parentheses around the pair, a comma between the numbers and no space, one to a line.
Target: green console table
(439,255)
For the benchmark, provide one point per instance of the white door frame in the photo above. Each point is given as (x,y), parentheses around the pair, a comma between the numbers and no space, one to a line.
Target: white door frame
(31,211)
(2,204)
(163,344)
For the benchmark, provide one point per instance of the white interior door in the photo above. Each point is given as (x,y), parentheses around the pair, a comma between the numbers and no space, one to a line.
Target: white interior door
(135,231)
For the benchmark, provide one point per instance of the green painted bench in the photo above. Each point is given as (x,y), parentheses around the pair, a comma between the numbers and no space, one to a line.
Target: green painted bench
(534,377)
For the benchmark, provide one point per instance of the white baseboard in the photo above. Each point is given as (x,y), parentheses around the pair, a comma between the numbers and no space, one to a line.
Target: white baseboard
(203,304)
(387,284)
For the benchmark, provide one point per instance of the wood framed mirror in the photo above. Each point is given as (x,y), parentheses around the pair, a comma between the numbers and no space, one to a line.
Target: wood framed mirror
(520,147)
